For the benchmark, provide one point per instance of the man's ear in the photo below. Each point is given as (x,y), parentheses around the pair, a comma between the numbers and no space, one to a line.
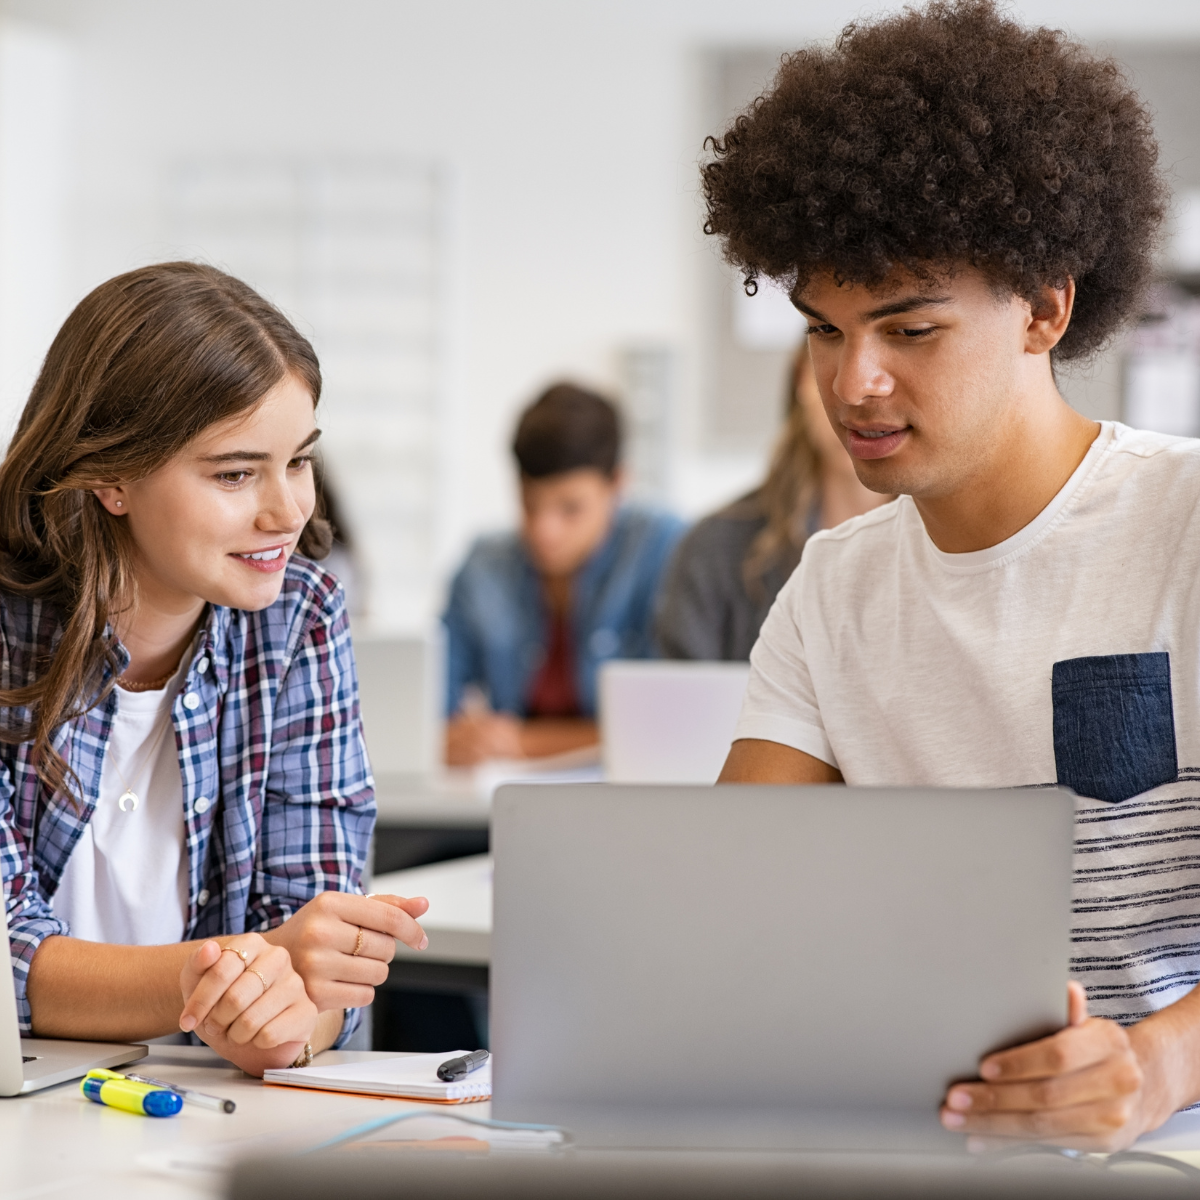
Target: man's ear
(114,499)
(1049,317)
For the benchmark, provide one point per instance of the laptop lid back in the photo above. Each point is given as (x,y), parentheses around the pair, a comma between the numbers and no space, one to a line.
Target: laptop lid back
(400,702)
(782,948)
(668,722)
(12,1076)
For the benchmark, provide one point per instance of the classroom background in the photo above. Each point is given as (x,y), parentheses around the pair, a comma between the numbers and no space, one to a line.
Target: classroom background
(463,202)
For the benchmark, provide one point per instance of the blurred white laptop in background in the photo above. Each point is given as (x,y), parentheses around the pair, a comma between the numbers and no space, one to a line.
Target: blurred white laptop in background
(28,1064)
(668,722)
(400,689)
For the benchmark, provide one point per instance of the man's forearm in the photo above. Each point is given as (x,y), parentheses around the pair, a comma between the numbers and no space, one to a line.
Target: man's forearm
(101,992)
(1167,1043)
(545,736)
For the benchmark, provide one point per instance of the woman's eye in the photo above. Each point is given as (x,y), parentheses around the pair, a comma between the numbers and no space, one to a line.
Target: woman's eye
(300,462)
(233,477)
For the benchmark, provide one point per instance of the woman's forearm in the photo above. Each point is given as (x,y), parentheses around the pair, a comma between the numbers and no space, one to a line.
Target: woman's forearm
(101,992)
(329,1025)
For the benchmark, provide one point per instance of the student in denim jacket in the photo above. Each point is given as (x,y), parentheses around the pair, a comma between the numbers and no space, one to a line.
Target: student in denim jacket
(533,614)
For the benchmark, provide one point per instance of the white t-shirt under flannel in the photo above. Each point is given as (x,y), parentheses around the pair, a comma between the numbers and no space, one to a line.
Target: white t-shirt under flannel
(900,664)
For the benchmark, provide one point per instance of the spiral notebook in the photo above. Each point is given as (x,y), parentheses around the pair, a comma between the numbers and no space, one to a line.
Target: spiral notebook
(408,1076)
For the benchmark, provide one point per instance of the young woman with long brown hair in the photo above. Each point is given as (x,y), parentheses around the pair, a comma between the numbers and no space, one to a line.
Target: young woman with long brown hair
(185,799)
(730,565)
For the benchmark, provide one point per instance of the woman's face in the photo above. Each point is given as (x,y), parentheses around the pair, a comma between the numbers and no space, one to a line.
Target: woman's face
(219,521)
(825,442)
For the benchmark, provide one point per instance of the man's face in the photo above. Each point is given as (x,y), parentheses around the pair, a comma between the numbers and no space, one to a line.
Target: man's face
(922,380)
(566,517)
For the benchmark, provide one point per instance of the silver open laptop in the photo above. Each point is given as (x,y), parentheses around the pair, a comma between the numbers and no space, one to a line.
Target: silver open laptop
(27,1064)
(668,722)
(768,966)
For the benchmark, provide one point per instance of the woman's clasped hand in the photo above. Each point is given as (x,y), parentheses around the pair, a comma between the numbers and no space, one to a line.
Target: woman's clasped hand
(246,1001)
(256,998)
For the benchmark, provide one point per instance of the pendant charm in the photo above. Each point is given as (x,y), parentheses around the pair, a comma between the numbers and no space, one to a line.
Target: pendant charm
(131,797)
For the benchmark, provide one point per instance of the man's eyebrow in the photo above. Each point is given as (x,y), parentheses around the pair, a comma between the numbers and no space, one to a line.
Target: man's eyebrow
(905,305)
(255,455)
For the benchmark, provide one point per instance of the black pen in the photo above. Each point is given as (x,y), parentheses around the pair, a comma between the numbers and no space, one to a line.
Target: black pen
(460,1068)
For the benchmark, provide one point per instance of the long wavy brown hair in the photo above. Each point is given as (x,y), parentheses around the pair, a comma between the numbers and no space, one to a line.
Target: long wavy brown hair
(785,498)
(144,364)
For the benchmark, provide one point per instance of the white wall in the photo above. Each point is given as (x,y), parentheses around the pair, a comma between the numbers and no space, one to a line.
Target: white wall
(36,120)
(568,126)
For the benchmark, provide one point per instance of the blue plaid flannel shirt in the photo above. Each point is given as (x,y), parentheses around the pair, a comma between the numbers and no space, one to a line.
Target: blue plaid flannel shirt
(279,803)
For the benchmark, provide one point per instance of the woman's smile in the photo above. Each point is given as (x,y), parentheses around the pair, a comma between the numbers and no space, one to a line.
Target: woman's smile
(272,559)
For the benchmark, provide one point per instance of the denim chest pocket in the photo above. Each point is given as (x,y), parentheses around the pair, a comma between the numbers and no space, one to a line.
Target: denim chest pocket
(1114,724)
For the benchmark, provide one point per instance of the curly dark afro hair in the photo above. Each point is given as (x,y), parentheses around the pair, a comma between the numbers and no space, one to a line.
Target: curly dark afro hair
(943,136)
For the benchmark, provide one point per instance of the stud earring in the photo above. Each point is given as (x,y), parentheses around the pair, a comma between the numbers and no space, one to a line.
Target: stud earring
(120,503)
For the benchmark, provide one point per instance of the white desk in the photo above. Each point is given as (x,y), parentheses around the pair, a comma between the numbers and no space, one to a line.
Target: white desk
(55,1143)
(462,797)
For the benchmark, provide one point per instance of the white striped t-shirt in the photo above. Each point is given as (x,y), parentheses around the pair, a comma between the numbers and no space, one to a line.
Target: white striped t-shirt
(900,664)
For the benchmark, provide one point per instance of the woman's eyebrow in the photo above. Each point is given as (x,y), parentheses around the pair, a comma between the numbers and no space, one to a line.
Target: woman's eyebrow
(255,455)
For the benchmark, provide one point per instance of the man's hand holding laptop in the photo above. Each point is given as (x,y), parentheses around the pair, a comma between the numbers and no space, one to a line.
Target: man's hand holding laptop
(1094,1085)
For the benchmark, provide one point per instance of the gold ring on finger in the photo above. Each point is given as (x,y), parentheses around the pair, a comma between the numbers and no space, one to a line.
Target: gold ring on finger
(358,943)
(240,953)
(262,978)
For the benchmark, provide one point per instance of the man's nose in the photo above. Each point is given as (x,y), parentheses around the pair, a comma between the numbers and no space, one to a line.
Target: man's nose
(860,374)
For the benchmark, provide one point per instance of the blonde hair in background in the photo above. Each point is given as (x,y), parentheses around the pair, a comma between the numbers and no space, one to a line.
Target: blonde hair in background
(789,491)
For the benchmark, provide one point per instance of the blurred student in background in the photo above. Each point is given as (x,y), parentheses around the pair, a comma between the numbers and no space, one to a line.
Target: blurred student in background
(532,614)
(728,569)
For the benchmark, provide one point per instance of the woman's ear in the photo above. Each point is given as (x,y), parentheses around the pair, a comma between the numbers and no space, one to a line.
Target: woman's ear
(1049,318)
(113,499)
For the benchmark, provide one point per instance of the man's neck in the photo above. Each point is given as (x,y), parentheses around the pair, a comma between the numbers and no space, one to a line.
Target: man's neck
(843,495)
(1044,447)
(557,592)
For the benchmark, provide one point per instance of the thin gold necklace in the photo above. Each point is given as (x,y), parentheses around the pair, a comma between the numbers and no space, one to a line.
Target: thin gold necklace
(152,686)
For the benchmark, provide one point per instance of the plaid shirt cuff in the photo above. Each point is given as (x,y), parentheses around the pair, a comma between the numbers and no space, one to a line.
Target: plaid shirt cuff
(24,938)
(350,1023)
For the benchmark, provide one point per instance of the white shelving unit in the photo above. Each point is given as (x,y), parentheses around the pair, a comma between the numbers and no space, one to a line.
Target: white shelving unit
(351,250)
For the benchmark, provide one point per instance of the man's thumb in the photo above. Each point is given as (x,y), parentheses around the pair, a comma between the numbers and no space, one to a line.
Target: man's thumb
(1077,1011)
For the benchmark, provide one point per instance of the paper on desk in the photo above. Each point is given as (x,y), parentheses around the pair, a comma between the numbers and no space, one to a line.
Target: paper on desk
(574,766)
(412,1076)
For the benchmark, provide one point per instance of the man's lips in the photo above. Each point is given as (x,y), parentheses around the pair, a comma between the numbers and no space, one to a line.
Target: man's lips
(876,443)
(268,560)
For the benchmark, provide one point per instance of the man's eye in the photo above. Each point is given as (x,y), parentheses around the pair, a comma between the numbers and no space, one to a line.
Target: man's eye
(821,330)
(917,333)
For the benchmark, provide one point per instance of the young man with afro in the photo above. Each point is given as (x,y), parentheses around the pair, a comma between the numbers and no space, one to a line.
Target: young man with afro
(958,204)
